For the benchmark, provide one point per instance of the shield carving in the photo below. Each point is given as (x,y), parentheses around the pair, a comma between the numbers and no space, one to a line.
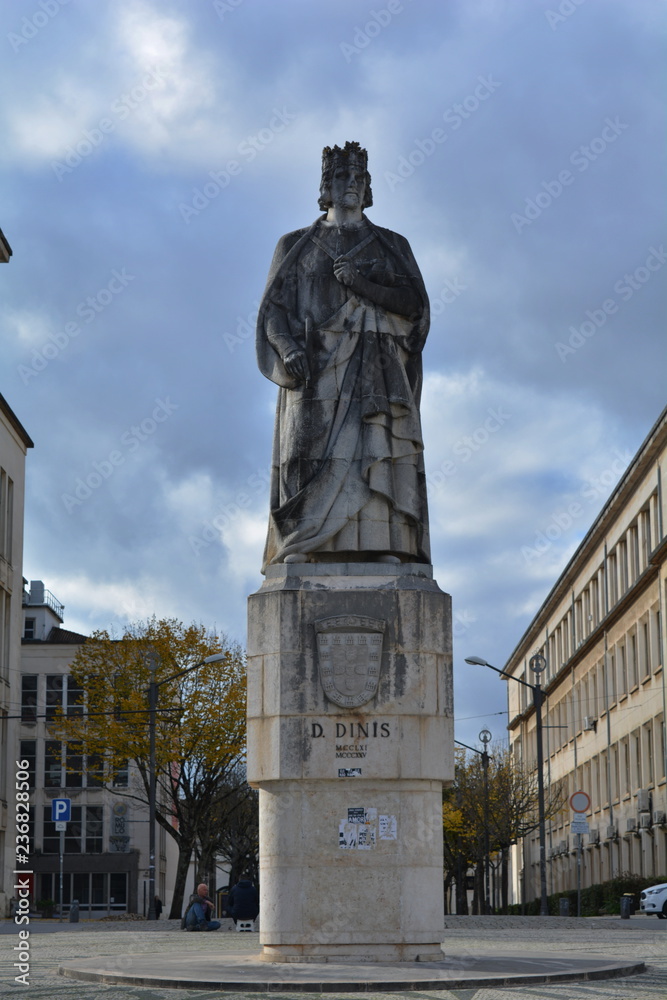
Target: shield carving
(349,657)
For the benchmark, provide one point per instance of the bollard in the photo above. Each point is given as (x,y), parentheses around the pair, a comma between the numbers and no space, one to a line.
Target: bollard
(74,912)
(627,905)
(564,906)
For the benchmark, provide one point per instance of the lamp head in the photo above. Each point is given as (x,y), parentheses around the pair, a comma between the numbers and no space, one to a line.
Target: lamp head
(477,661)
(537,663)
(214,658)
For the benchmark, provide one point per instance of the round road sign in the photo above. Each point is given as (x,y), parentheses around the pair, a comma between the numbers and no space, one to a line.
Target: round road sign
(580,802)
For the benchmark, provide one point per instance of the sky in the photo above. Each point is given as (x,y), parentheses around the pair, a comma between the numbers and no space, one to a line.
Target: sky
(153,154)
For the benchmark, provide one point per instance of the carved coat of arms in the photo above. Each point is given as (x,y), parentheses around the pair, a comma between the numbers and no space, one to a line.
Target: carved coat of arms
(349,657)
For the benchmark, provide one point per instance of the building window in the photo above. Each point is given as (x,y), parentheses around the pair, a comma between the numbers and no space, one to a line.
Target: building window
(633,675)
(74,696)
(121,776)
(633,538)
(66,767)
(83,834)
(29,628)
(578,624)
(28,751)
(615,777)
(94,771)
(118,889)
(29,698)
(623,566)
(6,515)
(595,788)
(604,778)
(53,767)
(656,649)
(637,754)
(661,746)
(90,888)
(645,520)
(51,837)
(73,766)
(94,828)
(626,776)
(5,631)
(63,693)
(611,675)
(595,603)
(645,650)
(622,670)
(54,695)
(648,740)
(611,577)
(594,704)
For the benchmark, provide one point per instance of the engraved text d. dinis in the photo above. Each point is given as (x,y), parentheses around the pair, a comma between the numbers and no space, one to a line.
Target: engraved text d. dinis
(349,657)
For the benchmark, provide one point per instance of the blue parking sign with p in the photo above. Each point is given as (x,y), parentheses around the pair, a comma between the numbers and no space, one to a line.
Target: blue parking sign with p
(61,810)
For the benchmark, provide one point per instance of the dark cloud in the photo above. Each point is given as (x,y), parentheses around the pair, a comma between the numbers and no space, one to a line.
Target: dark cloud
(471,113)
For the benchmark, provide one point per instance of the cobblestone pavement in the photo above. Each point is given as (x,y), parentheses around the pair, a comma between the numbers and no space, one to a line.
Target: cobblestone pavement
(638,938)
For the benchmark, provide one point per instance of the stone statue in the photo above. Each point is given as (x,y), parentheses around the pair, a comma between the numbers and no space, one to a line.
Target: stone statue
(340,329)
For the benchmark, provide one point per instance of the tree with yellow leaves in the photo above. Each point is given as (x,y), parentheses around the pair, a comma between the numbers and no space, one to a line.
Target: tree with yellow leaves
(512,813)
(199,722)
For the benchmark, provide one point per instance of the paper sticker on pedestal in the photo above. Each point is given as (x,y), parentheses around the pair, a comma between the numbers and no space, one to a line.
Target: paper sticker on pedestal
(359,831)
(349,658)
(388,828)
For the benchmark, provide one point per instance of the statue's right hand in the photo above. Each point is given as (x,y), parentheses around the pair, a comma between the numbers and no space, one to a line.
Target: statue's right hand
(296,365)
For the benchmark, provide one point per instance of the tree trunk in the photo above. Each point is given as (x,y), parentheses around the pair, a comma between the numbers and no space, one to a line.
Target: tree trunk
(446,890)
(505,880)
(475,891)
(461,890)
(184,855)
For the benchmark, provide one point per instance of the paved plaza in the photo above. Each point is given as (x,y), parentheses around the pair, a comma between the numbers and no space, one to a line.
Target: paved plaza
(639,939)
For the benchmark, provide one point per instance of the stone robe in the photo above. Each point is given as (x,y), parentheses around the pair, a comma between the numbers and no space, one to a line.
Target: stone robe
(347,470)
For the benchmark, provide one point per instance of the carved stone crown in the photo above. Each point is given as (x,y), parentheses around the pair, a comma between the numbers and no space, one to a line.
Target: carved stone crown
(351,150)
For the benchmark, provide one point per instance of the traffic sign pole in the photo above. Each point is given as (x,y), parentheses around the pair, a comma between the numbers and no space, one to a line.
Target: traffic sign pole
(62,851)
(578,874)
(61,813)
(580,803)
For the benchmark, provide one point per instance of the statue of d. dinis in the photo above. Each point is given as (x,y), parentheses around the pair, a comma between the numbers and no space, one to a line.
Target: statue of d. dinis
(341,329)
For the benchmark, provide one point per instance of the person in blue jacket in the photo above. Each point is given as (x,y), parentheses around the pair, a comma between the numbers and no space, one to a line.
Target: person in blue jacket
(243,901)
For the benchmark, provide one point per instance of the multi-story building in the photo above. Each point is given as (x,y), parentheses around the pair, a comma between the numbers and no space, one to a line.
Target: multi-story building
(106,842)
(601,632)
(14,444)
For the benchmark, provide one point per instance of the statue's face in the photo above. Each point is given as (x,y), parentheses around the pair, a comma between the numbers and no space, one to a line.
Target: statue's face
(348,184)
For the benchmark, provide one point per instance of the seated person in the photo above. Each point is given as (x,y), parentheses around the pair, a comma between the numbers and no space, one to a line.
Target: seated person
(243,902)
(200,910)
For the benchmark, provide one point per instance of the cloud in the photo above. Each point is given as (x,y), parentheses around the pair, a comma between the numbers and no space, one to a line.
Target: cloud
(514,435)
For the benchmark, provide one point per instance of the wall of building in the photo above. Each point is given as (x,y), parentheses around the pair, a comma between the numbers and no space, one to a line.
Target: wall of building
(601,632)
(14,443)
(106,844)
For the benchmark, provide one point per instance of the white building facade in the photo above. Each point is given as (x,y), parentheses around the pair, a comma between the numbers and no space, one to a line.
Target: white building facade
(601,630)
(14,445)
(105,863)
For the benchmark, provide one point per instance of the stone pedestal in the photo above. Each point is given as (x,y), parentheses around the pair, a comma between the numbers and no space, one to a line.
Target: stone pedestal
(350,738)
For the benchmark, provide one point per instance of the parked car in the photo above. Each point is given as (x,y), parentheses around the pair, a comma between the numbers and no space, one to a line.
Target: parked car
(654,900)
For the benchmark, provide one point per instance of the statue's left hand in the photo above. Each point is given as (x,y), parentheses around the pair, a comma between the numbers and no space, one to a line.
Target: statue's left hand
(345,271)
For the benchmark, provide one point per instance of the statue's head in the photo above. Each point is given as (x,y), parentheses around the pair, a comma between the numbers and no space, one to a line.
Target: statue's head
(331,158)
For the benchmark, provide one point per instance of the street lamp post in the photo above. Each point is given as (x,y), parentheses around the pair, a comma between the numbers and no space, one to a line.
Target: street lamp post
(537,665)
(485,737)
(152,662)
(152,784)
